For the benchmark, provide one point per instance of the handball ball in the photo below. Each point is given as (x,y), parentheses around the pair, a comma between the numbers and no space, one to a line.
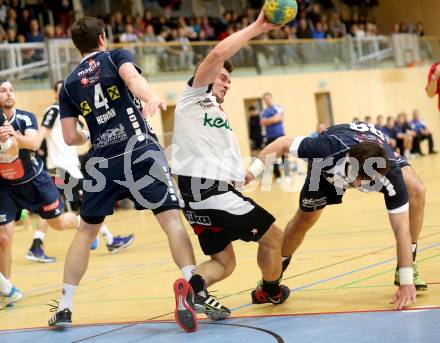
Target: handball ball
(280,12)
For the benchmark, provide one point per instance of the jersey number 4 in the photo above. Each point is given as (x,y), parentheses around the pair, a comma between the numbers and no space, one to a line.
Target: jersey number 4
(100,99)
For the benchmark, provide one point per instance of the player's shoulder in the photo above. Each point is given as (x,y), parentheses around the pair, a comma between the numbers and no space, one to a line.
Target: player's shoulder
(52,109)
(23,115)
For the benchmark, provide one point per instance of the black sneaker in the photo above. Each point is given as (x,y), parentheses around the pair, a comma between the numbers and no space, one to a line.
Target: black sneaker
(61,319)
(262,297)
(210,306)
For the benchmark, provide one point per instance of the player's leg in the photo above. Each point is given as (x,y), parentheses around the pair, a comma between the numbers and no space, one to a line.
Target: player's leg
(77,260)
(295,232)
(36,251)
(416,194)
(8,292)
(219,267)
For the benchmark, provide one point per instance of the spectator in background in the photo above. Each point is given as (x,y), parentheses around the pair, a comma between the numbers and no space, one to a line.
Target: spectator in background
(128,36)
(11,19)
(118,26)
(60,32)
(380,122)
(318,32)
(404,137)
(303,31)
(255,128)
(319,128)
(272,119)
(3,11)
(390,130)
(420,31)
(207,27)
(147,19)
(24,22)
(34,35)
(12,36)
(433,87)
(368,120)
(419,126)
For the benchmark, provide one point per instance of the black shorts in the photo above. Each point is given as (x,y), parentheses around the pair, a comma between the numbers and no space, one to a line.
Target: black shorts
(395,194)
(142,176)
(223,215)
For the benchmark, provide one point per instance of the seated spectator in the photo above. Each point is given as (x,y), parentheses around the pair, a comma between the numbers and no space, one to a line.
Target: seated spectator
(319,128)
(128,36)
(419,126)
(12,36)
(318,32)
(3,11)
(60,32)
(368,120)
(303,30)
(380,122)
(34,35)
(404,136)
(390,131)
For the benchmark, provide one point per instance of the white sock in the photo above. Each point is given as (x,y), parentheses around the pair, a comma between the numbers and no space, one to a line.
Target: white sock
(5,285)
(188,271)
(67,297)
(39,235)
(414,247)
(283,258)
(107,234)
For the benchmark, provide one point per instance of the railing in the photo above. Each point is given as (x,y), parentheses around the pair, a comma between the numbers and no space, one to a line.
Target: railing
(54,59)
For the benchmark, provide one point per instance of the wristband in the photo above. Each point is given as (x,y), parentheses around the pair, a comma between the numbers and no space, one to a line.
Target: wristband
(406,276)
(6,145)
(257,167)
(86,135)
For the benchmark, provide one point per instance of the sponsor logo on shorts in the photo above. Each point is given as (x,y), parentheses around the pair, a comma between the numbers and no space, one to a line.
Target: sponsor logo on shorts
(111,136)
(51,206)
(254,232)
(193,218)
(2,218)
(314,202)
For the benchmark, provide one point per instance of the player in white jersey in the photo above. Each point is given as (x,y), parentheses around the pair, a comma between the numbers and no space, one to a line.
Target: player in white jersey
(63,163)
(206,158)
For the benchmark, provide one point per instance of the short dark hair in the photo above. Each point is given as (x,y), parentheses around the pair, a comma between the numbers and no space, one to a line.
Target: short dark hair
(363,151)
(85,34)
(226,64)
(56,84)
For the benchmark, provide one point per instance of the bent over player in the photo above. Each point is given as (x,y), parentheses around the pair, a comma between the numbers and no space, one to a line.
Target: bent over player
(355,155)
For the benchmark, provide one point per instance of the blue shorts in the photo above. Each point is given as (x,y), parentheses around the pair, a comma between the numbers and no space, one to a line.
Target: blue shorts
(142,176)
(40,195)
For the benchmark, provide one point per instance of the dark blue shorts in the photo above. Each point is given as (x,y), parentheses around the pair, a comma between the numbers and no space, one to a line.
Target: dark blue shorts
(40,195)
(142,176)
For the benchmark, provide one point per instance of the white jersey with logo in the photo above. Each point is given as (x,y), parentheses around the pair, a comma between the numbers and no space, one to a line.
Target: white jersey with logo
(59,154)
(204,144)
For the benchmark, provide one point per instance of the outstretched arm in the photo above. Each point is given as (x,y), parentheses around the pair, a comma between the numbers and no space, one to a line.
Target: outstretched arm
(212,65)
(406,294)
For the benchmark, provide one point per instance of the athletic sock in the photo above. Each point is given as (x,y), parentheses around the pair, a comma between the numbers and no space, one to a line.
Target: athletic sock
(285,261)
(39,235)
(107,234)
(198,285)
(414,251)
(5,285)
(67,297)
(188,271)
(271,287)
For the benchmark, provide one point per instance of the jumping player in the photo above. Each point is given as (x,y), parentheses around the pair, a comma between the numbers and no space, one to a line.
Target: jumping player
(206,158)
(62,164)
(355,155)
(24,184)
(126,160)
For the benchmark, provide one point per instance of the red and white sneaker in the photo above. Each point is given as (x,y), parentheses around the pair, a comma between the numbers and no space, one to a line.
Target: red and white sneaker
(262,297)
(185,314)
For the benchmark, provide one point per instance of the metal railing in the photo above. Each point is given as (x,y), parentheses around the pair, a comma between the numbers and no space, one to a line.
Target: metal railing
(54,59)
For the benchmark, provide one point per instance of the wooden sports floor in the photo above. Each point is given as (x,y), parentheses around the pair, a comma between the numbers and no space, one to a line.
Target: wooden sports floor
(345,266)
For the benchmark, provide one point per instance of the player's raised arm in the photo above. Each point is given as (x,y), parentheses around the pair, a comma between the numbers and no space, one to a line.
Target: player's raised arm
(406,294)
(140,87)
(212,65)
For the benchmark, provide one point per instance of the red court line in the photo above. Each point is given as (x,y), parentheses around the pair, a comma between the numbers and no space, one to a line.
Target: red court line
(235,317)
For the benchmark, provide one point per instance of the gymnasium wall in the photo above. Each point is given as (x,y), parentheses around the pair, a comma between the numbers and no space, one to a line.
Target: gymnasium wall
(353,93)
(395,11)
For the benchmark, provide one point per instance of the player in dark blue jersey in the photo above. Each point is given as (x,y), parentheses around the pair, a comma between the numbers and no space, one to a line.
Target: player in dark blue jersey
(126,160)
(355,156)
(24,184)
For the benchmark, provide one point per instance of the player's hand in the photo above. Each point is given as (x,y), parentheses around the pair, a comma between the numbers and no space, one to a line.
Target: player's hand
(249,177)
(152,106)
(405,296)
(264,25)
(6,131)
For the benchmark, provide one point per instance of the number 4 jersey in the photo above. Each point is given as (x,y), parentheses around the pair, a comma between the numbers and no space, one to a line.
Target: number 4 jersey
(97,92)
(333,146)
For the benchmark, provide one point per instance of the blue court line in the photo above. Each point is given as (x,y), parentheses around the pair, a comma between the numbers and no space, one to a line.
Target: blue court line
(341,275)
